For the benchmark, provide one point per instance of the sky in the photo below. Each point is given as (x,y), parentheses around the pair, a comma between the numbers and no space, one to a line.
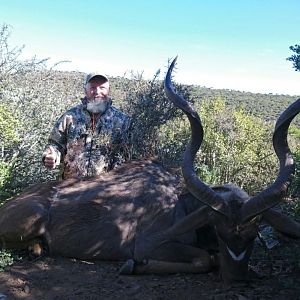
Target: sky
(239,45)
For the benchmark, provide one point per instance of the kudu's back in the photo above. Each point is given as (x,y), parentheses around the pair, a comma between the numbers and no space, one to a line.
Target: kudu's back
(93,219)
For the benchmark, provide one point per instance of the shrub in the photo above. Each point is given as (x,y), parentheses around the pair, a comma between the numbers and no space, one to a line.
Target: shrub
(6,260)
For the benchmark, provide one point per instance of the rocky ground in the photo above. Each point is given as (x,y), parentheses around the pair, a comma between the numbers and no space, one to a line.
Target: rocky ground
(62,278)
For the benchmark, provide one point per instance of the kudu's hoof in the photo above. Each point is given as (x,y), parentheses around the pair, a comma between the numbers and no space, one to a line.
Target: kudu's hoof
(128,267)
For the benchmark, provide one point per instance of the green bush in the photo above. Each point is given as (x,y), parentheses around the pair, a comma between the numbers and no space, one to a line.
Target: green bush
(237,147)
(9,138)
(6,259)
(145,101)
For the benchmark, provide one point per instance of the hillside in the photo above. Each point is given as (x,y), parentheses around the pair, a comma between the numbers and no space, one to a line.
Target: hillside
(266,106)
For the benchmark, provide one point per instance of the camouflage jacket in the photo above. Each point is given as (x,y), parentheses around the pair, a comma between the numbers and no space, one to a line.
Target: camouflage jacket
(89,145)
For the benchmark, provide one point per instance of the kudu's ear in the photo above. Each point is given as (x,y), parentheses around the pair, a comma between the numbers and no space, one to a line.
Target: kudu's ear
(198,188)
(282,223)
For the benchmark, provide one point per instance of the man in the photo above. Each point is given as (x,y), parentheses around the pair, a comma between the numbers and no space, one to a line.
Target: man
(90,138)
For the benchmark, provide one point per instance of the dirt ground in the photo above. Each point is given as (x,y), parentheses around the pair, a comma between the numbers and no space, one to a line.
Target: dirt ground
(64,278)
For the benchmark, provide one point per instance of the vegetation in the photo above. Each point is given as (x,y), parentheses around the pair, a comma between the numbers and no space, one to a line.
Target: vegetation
(149,109)
(6,259)
(295,58)
(238,125)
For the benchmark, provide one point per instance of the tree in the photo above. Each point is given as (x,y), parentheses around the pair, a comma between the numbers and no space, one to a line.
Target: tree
(237,146)
(295,58)
(32,97)
(145,101)
(8,139)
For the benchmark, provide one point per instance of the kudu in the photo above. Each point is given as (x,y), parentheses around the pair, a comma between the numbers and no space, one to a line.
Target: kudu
(234,215)
(133,213)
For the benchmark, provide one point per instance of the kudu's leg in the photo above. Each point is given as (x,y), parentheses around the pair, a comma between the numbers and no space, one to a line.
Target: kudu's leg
(35,246)
(190,222)
(160,253)
(172,257)
(152,266)
(23,222)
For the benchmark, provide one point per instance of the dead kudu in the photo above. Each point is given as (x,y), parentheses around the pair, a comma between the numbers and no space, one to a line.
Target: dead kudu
(134,214)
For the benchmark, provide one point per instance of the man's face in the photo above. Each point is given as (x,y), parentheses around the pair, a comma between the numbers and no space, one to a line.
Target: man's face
(97,89)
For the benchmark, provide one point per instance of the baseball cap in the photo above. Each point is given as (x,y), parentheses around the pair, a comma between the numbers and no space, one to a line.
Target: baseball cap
(90,76)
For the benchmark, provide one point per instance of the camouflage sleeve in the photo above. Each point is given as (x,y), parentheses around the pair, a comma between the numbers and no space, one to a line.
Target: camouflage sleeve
(122,148)
(58,137)
(126,131)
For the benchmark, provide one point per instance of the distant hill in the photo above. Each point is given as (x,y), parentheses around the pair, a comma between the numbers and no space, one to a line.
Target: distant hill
(265,106)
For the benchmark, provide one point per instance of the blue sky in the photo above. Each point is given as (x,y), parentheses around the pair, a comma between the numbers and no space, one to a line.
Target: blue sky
(240,45)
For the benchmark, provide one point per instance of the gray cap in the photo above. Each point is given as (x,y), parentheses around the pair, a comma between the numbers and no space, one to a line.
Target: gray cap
(90,76)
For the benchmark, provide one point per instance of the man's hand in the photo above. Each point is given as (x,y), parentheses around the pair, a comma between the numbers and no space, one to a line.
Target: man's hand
(50,161)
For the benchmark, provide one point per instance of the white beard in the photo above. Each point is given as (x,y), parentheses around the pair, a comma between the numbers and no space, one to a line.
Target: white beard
(96,106)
